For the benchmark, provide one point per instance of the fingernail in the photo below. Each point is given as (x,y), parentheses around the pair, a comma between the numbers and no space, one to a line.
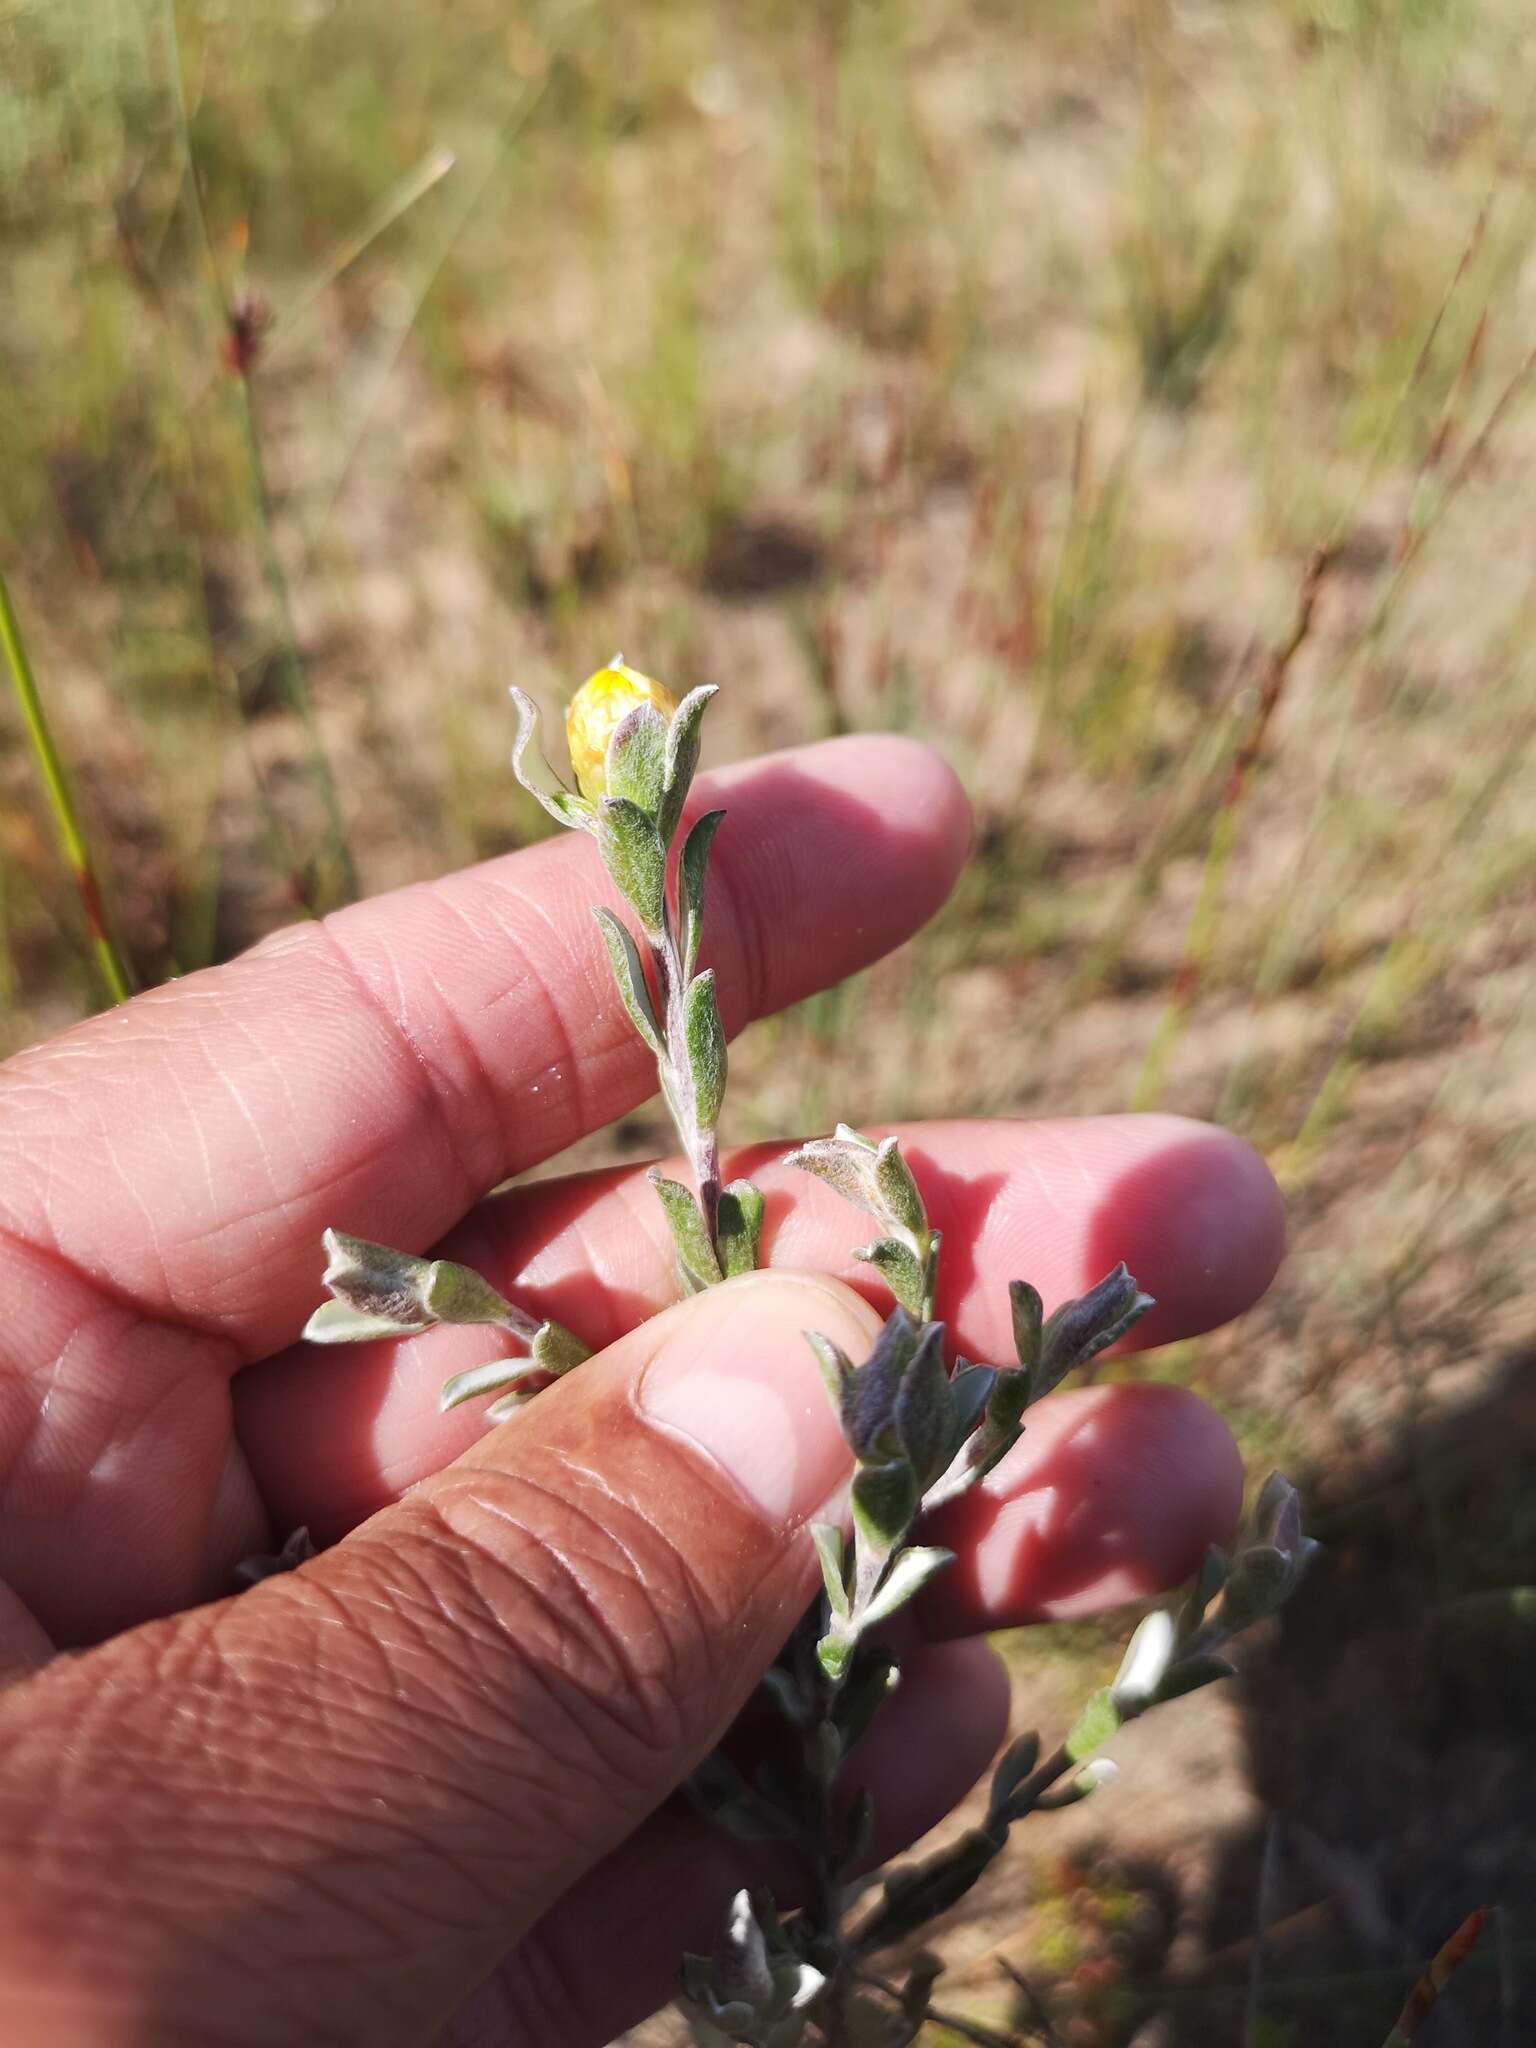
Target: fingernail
(735,1379)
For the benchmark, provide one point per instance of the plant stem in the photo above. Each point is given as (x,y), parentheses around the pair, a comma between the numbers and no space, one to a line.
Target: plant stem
(109,960)
(701,1141)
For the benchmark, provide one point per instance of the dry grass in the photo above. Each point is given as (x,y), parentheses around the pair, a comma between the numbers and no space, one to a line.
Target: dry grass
(986,374)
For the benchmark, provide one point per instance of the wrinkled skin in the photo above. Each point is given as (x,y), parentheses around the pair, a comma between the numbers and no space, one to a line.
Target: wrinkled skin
(418,1790)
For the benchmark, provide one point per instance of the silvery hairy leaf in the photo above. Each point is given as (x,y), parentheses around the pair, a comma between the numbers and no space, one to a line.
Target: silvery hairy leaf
(697,1265)
(1188,1674)
(1144,1665)
(900,1269)
(837,1372)
(636,759)
(1028,1322)
(1277,1518)
(705,1040)
(496,1376)
(556,1351)
(828,1539)
(1001,1426)
(866,1395)
(379,1292)
(739,1227)
(918,1893)
(1079,1330)
(457,1294)
(739,1967)
(692,873)
(1013,1767)
(908,1575)
(1103,1770)
(753,1986)
(536,775)
(873,1177)
(635,859)
(899,1197)
(384,1288)
(1261,1580)
(884,1499)
(923,1410)
(1267,1562)
(682,758)
(337,1322)
(970,1390)
(629,978)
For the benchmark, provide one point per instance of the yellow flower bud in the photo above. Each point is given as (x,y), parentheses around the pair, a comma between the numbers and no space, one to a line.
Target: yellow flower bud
(597,710)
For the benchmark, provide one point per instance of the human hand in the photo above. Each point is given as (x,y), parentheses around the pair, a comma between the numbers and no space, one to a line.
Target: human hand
(329,1809)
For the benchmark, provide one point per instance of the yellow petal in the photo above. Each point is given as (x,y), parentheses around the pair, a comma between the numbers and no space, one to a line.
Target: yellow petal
(595,713)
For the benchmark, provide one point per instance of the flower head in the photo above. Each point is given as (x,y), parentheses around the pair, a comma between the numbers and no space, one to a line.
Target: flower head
(596,712)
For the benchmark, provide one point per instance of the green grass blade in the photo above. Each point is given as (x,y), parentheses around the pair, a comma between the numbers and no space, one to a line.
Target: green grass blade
(109,960)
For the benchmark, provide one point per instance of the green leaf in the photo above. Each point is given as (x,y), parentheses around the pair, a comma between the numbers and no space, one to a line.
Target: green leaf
(904,1581)
(923,1413)
(902,1204)
(1103,1770)
(683,737)
(636,759)
(884,1502)
(869,1396)
(869,1682)
(898,1267)
(918,1893)
(629,977)
(705,1041)
(836,1370)
(739,1227)
(1079,1330)
(696,1261)
(828,1539)
(635,859)
(377,1282)
(1094,1726)
(1014,1766)
(494,1377)
(1028,1321)
(833,1653)
(455,1294)
(1144,1664)
(692,872)
(1190,1673)
(557,1351)
(970,1388)
(536,775)
(1261,1578)
(338,1322)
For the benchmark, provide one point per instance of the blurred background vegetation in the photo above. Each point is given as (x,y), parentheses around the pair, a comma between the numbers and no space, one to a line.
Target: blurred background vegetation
(1134,399)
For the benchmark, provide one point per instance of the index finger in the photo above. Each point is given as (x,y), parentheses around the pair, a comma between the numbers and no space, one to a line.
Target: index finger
(393,1063)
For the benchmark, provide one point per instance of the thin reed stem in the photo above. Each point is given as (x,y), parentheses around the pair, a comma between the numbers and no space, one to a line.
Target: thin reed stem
(109,961)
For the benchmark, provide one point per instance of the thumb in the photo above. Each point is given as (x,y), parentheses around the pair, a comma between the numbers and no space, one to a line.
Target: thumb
(323,1810)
